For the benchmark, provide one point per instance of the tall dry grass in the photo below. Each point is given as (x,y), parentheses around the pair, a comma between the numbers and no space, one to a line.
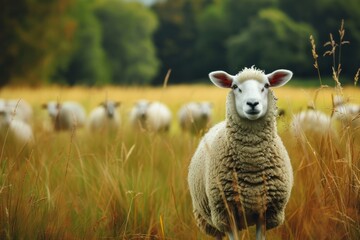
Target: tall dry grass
(132,185)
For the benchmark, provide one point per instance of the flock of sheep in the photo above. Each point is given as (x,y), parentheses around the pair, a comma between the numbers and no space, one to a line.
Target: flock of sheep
(195,117)
(240,174)
(155,116)
(313,125)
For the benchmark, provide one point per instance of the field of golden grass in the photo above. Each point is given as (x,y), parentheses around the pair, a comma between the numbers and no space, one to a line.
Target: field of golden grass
(132,185)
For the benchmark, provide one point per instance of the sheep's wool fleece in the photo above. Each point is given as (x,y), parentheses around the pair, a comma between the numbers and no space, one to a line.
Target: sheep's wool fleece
(250,73)
(246,163)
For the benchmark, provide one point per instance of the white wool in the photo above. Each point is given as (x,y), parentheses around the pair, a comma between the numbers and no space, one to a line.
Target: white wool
(152,116)
(312,127)
(67,115)
(347,113)
(19,108)
(241,164)
(311,121)
(104,118)
(15,129)
(195,116)
(250,73)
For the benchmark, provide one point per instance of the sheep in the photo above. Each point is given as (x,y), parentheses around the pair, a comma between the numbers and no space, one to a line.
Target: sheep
(195,116)
(151,116)
(312,126)
(104,117)
(14,130)
(19,108)
(240,173)
(347,113)
(66,116)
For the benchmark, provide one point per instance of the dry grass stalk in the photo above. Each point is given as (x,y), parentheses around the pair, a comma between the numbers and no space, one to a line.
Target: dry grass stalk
(166,80)
(356,78)
(315,57)
(336,68)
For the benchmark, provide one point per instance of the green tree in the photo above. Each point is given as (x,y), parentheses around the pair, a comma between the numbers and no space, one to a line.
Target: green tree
(325,17)
(87,62)
(127,30)
(34,34)
(176,38)
(271,41)
(240,13)
(350,59)
(219,22)
(213,31)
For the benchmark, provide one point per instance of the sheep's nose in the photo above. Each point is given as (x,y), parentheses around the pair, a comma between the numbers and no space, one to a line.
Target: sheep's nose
(252,104)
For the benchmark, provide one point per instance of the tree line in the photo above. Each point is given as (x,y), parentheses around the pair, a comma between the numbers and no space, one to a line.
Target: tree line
(98,42)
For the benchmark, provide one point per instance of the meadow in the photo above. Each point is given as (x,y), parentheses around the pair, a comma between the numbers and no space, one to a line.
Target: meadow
(132,184)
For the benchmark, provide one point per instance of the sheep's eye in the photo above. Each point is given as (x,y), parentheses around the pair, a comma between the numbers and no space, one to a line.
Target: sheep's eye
(267,85)
(235,87)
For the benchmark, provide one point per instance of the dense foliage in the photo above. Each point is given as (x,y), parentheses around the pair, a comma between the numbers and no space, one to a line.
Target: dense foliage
(124,42)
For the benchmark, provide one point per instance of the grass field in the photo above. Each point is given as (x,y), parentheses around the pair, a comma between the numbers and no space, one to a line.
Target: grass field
(132,185)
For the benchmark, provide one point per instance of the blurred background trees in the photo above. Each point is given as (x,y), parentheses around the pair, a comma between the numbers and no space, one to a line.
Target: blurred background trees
(97,42)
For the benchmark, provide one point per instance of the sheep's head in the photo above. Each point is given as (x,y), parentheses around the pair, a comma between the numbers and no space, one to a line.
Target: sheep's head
(53,108)
(251,88)
(205,109)
(141,107)
(110,107)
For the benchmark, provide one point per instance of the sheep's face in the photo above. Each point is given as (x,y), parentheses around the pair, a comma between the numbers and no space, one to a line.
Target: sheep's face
(141,108)
(251,98)
(251,88)
(5,117)
(110,107)
(52,108)
(205,109)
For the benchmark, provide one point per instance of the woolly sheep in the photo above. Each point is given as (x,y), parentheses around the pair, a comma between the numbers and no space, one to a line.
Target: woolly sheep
(66,115)
(240,174)
(152,116)
(105,117)
(195,116)
(311,125)
(19,108)
(347,113)
(14,130)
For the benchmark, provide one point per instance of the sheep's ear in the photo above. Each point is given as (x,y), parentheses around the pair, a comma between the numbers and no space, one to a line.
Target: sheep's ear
(279,77)
(221,79)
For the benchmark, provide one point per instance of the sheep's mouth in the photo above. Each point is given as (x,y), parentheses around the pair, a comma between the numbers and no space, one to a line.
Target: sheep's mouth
(253,112)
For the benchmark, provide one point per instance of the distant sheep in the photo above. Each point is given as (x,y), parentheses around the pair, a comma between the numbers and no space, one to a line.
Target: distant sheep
(347,113)
(240,174)
(66,116)
(19,108)
(312,126)
(14,130)
(105,117)
(195,116)
(152,116)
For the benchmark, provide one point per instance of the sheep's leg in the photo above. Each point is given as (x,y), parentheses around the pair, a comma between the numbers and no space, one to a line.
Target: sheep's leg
(260,229)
